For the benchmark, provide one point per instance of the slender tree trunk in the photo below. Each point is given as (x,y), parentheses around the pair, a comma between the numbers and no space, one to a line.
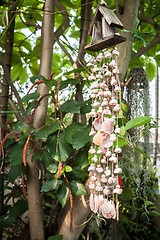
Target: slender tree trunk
(157,118)
(34,168)
(4,95)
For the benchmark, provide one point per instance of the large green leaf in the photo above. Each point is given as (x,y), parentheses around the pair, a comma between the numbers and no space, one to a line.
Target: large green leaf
(23,75)
(151,70)
(18,209)
(71,81)
(137,122)
(16,154)
(35,78)
(14,172)
(50,185)
(77,134)
(81,137)
(143,153)
(79,172)
(71,106)
(45,158)
(51,144)
(85,106)
(77,188)
(65,148)
(30,96)
(63,194)
(157,58)
(82,157)
(47,130)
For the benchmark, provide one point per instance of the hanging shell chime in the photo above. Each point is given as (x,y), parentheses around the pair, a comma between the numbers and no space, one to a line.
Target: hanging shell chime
(105,183)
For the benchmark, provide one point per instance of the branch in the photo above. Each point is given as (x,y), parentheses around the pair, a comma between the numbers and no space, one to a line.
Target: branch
(88,13)
(156,40)
(65,23)
(9,80)
(14,107)
(143,50)
(64,50)
(119,8)
(29,24)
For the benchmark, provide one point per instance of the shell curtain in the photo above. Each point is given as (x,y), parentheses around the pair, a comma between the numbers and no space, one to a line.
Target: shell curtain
(105,183)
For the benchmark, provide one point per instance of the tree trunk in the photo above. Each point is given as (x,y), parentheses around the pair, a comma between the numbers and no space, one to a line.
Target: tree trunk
(129,18)
(4,94)
(34,168)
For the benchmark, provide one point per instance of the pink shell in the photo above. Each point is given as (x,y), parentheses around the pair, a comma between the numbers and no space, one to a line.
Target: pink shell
(97,138)
(96,204)
(91,202)
(106,142)
(108,209)
(97,123)
(107,127)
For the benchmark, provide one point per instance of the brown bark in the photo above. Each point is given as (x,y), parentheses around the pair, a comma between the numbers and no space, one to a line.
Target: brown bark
(34,168)
(80,213)
(129,19)
(4,94)
(86,19)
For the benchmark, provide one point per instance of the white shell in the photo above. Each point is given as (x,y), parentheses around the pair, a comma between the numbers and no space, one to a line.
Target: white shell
(108,153)
(92,150)
(92,77)
(113,158)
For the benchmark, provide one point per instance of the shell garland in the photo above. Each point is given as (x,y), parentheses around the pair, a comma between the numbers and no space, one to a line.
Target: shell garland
(105,183)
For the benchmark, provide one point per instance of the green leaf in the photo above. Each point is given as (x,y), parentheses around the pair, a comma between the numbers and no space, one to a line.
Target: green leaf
(16,156)
(71,106)
(18,209)
(81,137)
(51,83)
(79,172)
(124,107)
(157,58)
(68,168)
(85,106)
(56,237)
(45,158)
(77,188)
(23,75)
(35,78)
(123,131)
(151,71)
(137,122)
(120,113)
(15,71)
(77,134)
(148,203)
(14,172)
(51,144)
(30,96)
(47,130)
(64,148)
(71,81)
(63,194)
(50,185)
(82,157)
(143,153)
(52,167)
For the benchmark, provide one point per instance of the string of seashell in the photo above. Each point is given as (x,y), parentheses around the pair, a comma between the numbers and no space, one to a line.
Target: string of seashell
(105,184)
